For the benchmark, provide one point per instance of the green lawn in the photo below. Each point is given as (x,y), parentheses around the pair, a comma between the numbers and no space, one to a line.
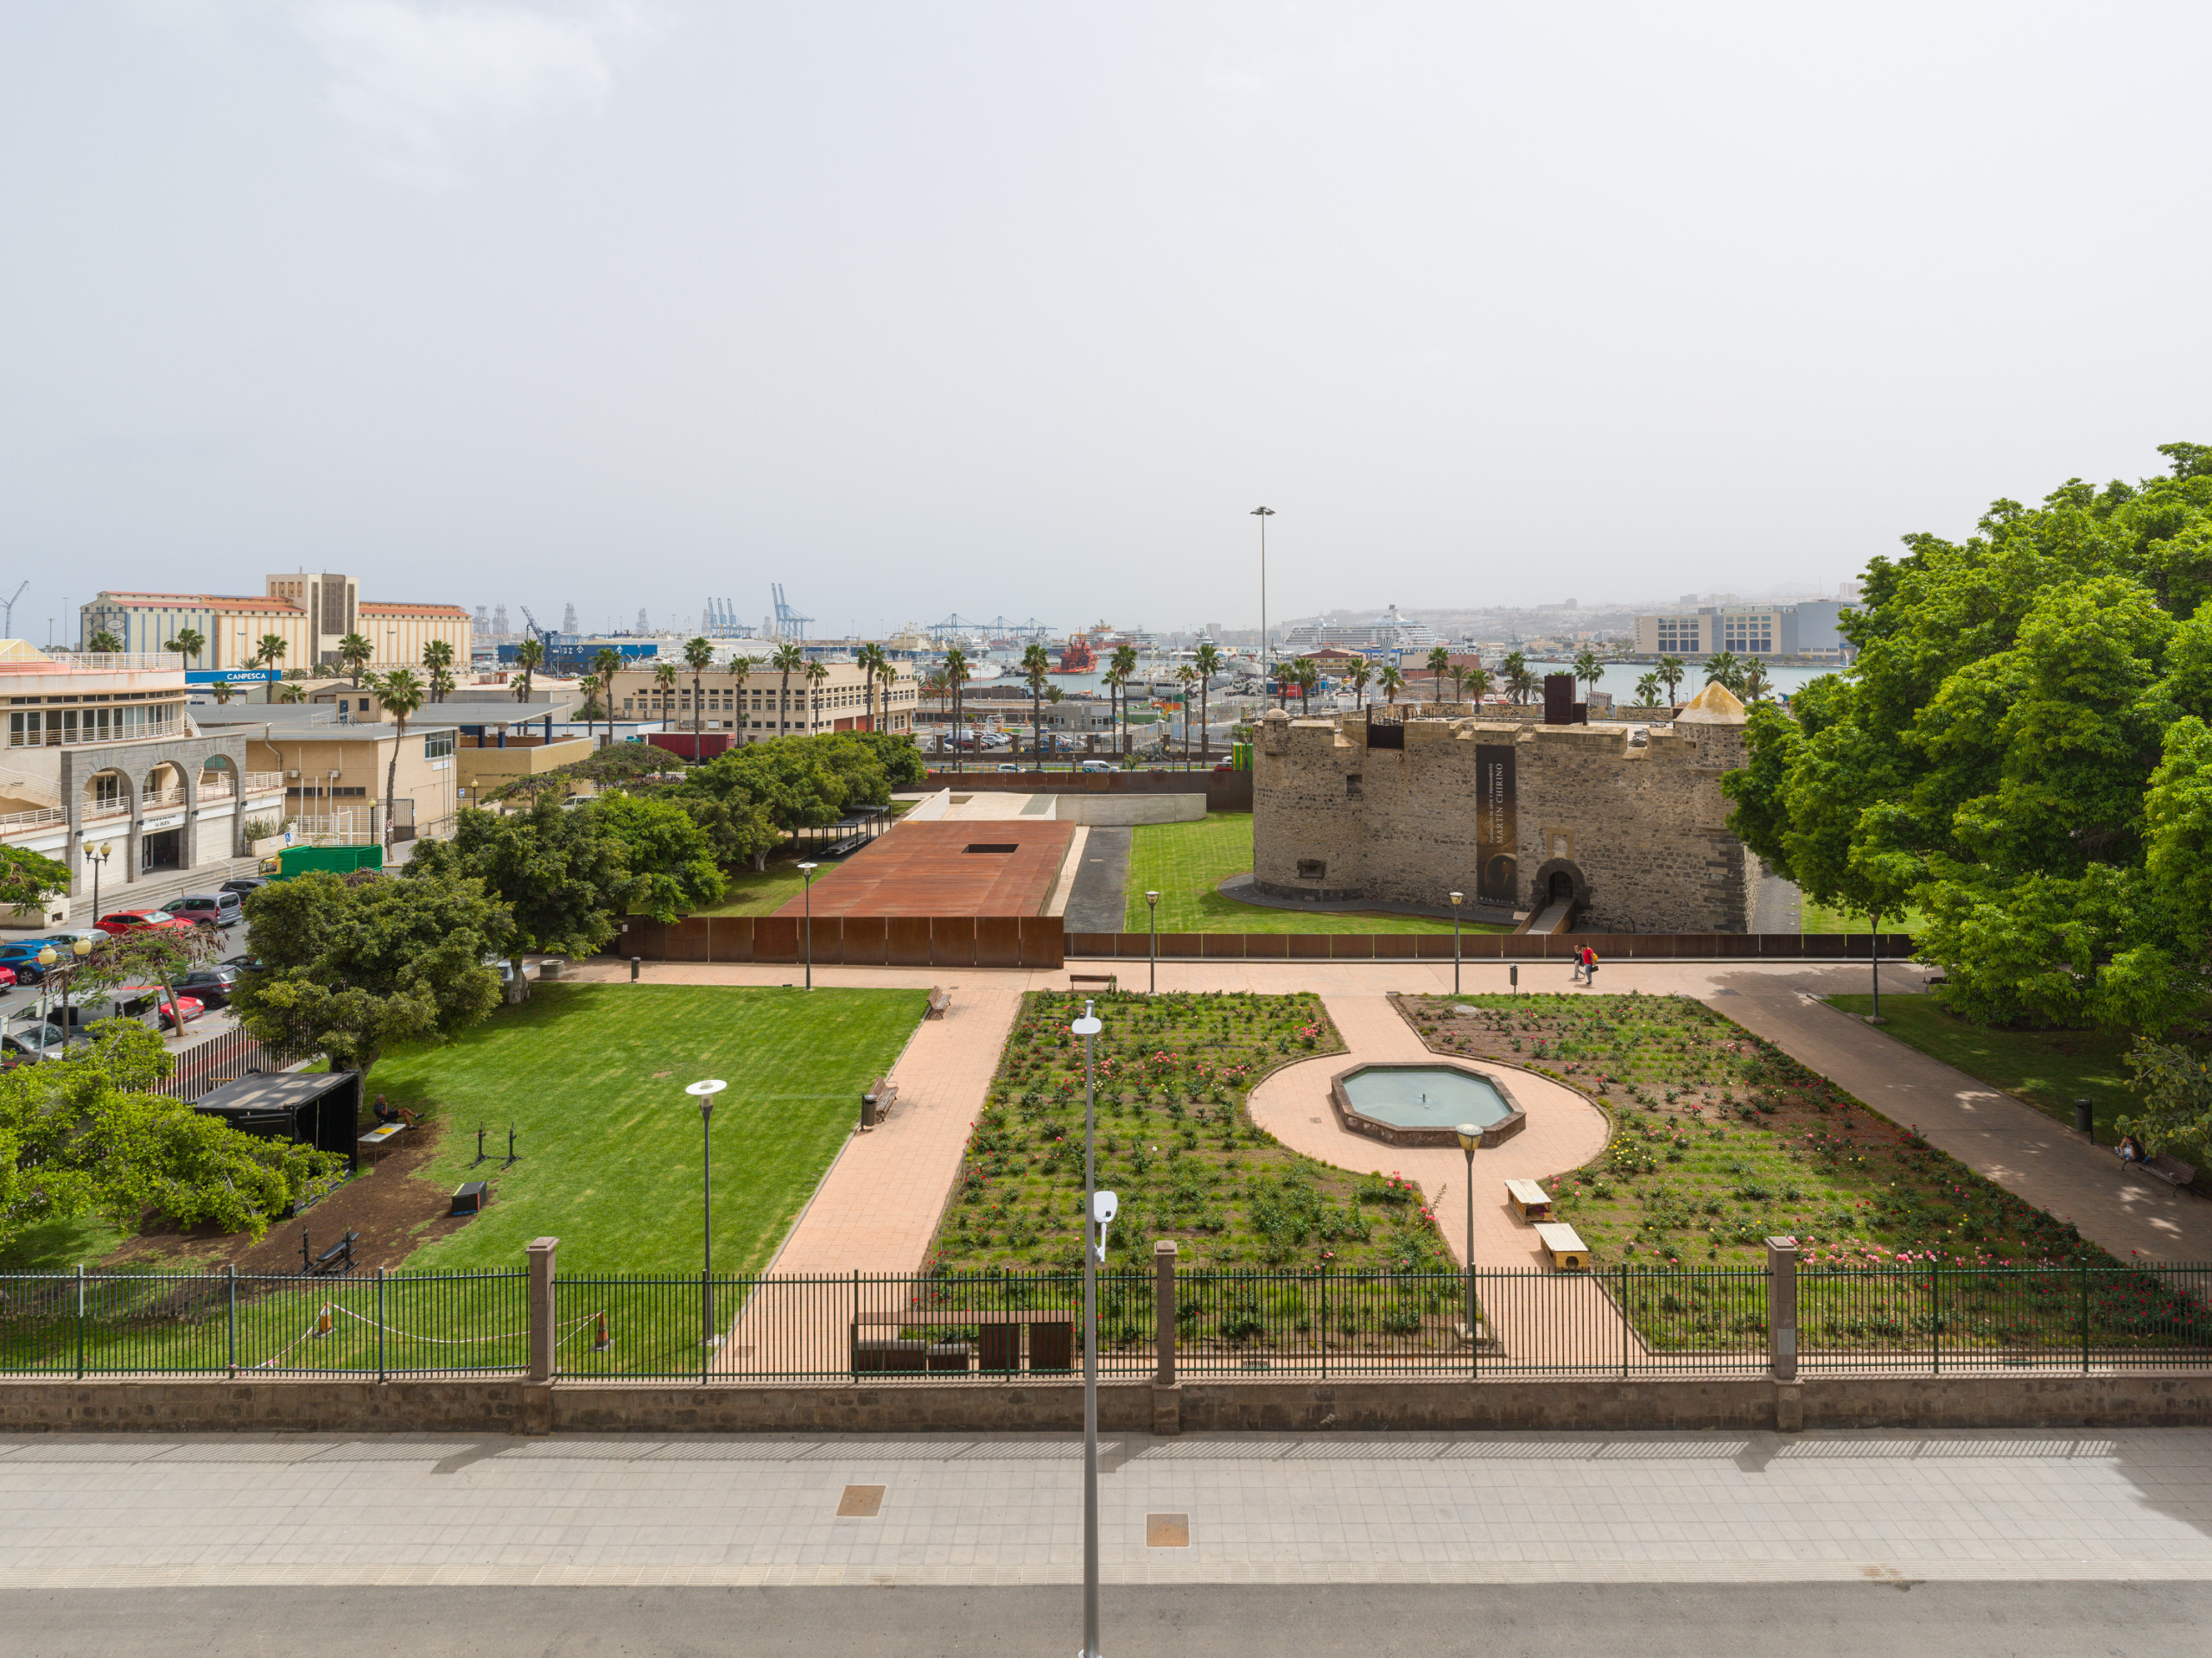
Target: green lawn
(593,1078)
(1818,917)
(1184,862)
(762,893)
(2049,1070)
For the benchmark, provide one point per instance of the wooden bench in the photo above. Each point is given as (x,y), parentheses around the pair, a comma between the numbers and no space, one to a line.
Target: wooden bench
(1111,980)
(938,1002)
(2181,1175)
(1529,1199)
(336,1261)
(876,1102)
(1566,1247)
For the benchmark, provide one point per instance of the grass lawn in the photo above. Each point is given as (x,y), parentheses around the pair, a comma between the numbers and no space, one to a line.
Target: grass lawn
(593,1078)
(1818,917)
(1184,862)
(763,893)
(2049,1070)
(1174,1142)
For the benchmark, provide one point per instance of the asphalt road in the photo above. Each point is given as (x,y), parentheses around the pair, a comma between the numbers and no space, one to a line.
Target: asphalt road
(1792,1620)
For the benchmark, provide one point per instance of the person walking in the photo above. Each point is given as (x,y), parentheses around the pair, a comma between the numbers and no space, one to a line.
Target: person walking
(1585,966)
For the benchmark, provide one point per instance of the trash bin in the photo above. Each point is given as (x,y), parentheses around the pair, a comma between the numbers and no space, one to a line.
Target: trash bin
(2085,1118)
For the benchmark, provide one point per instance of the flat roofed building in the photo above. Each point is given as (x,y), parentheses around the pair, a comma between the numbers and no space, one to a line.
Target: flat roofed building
(311,613)
(332,773)
(760,705)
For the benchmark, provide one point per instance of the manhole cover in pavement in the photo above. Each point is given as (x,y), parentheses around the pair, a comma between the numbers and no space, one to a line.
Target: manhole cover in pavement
(860,1502)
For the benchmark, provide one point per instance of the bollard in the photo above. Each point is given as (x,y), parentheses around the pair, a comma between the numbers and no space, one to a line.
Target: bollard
(1513,977)
(634,959)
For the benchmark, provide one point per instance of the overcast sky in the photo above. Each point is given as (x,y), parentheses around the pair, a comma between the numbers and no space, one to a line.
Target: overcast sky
(1020,309)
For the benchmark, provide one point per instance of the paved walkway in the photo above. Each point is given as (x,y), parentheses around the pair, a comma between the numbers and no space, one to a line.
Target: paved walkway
(1996,1135)
(390,1510)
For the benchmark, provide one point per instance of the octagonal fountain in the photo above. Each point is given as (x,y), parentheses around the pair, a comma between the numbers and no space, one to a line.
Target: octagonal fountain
(1423,1103)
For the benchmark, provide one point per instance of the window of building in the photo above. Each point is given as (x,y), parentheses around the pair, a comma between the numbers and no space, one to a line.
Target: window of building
(437,745)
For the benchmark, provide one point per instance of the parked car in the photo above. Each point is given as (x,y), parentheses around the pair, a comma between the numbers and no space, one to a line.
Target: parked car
(245,884)
(213,985)
(1096,765)
(178,1011)
(209,909)
(123,921)
(20,956)
(29,1042)
(7,974)
(1008,766)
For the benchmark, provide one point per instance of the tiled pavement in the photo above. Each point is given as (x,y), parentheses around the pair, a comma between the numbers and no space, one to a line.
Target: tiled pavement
(1694,1508)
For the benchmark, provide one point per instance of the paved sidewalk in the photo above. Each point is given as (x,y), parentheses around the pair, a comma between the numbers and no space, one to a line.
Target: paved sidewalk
(133,1509)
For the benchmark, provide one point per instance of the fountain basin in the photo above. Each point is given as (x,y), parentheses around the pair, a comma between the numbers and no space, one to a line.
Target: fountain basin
(1423,1103)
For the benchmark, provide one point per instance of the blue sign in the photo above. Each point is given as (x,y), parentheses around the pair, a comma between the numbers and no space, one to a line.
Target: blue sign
(233,677)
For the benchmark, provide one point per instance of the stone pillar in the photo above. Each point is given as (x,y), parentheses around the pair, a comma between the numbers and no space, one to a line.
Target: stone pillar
(1782,1307)
(541,1253)
(1166,1392)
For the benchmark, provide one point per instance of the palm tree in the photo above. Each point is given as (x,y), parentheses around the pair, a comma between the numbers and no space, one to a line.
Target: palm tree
(740,670)
(886,675)
(294,692)
(816,673)
(871,661)
(1392,680)
(604,667)
(1724,668)
(437,656)
(1588,669)
(104,643)
(1036,668)
(354,651)
(1189,677)
(1125,664)
(789,659)
(665,675)
(1309,681)
(1207,660)
(188,642)
(401,693)
(935,684)
(1285,678)
(1361,675)
(1520,678)
(1647,692)
(956,676)
(1439,664)
(528,655)
(271,650)
(1670,674)
(223,691)
(698,656)
(1752,682)
(1475,686)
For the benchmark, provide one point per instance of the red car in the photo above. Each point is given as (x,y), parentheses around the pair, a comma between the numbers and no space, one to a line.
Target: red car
(189,1007)
(7,974)
(123,921)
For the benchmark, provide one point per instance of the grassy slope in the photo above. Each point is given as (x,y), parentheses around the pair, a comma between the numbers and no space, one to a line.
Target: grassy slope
(1818,917)
(593,1077)
(760,893)
(2049,1070)
(1184,862)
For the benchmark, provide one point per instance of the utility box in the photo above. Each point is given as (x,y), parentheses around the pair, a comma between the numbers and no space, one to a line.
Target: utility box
(338,859)
(469,1198)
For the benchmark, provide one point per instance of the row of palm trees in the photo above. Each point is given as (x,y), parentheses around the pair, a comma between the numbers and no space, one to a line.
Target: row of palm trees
(946,683)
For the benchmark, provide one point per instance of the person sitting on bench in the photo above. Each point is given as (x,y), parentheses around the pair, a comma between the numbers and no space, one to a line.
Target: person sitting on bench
(388,1114)
(2131,1150)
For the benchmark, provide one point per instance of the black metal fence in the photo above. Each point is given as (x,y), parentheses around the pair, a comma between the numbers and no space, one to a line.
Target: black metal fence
(1921,1318)
(222,1059)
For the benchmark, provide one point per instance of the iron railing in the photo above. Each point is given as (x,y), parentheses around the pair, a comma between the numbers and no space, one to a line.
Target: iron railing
(876,1327)
(222,1059)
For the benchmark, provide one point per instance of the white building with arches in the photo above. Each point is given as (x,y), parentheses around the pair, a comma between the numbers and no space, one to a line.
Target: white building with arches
(102,751)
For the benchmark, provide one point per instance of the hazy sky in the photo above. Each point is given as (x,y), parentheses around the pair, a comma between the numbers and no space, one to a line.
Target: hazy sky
(1020,309)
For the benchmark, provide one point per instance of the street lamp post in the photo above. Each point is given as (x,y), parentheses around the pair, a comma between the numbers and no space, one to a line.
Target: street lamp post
(47,958)
(1152,950)
(806,870)
(98,857)
(1264,513)
(1471,1137)
(1097,1210)
(1457,899)
(704,1093)
(80,950)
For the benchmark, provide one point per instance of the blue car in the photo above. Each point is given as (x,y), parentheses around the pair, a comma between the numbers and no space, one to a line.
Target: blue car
(21,954)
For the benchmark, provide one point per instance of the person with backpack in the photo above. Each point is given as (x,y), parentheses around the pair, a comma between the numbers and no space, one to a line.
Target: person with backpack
(1585,966)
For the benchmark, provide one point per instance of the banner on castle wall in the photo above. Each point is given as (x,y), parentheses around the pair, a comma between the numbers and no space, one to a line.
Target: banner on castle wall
(1496,829)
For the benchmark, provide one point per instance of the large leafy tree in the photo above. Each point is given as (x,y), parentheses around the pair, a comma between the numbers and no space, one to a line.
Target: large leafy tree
(671,862)
(2021,749)
(561,875)
(352,964)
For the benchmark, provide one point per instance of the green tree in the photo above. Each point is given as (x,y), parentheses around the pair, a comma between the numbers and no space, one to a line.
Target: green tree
(698,656)
(189,644)
(401,693)
(530,655)
(1125,675)
(1309,681)
(1439,664)
(27,879)
(604,666)
(1647,692)
(356,652)
(561,876)
(1392,680)
(353,965)
(665,675)
(816,674)
(1036,669)
(1725,670)
(1671,670)
(270,650)
(1520,678)
(670,859)
(1589,669)
(786,660)
(104,643)
(437,659)
(956,670)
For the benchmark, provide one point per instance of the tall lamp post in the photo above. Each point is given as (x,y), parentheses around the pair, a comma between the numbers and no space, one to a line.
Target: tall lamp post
(1152,951)
(1457,899)
(1098,1209)
(704,1093)
(806,870)
(80,948)
(98,856)
(47,957)
(1264,513)
(1471,1137)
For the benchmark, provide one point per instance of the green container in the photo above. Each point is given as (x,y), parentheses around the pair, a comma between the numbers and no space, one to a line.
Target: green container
(1240,757)
(339,860)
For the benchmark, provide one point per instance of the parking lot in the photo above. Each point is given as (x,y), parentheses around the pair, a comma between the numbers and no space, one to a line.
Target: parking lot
(21,1004)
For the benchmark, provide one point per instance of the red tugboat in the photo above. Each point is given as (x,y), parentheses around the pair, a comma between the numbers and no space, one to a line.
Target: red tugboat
(1078,658)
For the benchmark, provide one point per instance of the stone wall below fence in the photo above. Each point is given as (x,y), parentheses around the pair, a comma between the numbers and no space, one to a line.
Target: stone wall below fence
(508,1405)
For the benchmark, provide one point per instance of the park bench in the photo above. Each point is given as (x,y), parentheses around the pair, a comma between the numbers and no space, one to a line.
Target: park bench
(1564,1244)
(1111,980)
(1529,1199)
(938,1002)
(336,1261)
(2181,1175)
(876,1102)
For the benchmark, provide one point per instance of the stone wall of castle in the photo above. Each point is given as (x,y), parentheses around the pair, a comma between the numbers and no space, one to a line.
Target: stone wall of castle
(1638,828)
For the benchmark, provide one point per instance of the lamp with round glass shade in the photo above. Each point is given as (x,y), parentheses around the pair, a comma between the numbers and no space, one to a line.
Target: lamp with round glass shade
(704,1092)
(1457,899)
(1470,1137)
(1152,953)
(1088,1027)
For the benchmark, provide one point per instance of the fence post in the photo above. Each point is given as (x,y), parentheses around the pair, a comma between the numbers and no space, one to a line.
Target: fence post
(1167,1391)
(1935,1318)
(81,1321)
(538,1319)
(231,1272)
(2085,1315)
(383,1373)
(1781,1334)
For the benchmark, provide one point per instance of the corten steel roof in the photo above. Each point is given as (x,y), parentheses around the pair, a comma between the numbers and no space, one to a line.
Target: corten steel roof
(926,869)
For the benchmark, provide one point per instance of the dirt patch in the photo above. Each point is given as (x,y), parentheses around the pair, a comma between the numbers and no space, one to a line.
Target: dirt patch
(394,1213)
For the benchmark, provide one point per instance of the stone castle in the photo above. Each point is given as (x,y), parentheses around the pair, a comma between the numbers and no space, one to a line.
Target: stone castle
(1624,820)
